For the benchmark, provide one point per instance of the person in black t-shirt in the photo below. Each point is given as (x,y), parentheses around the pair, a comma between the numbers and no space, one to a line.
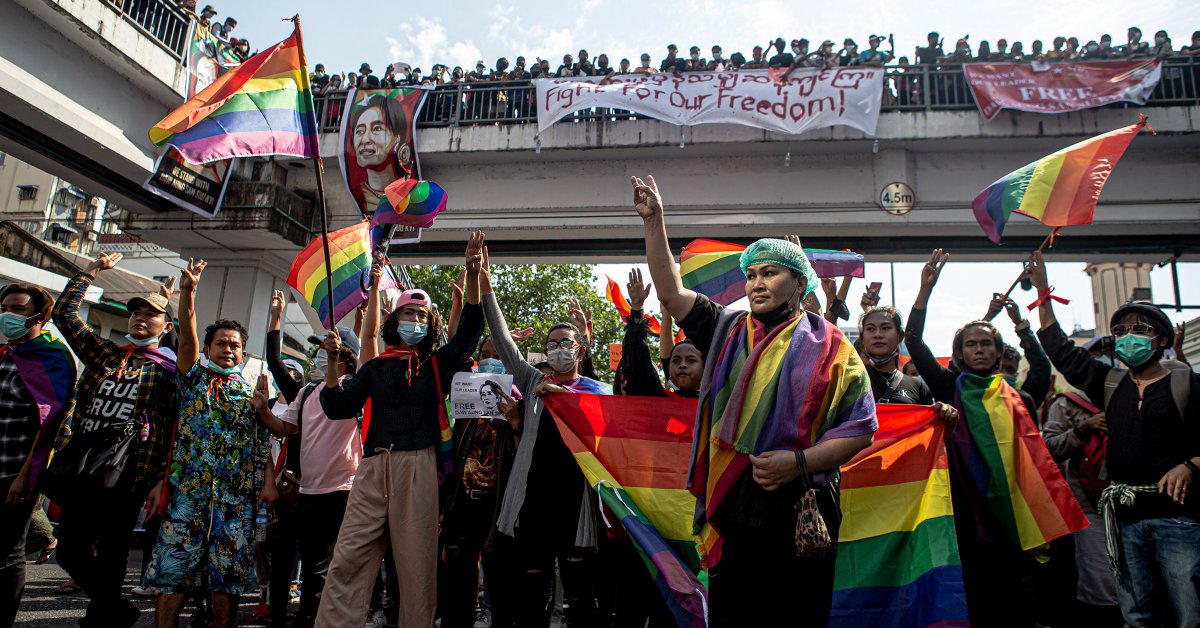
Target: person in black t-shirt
(930,54)
(756,61)
(781,59)
(1152,414)
(672,63)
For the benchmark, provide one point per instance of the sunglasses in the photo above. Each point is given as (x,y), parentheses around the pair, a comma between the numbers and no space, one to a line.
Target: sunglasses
(565,343)
(1137,330)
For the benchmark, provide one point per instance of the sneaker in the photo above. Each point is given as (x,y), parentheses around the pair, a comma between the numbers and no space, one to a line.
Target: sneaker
(262,611)
(145,591)
(376,620)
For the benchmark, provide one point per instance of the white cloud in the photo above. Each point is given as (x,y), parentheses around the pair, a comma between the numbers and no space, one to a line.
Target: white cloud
(427,43)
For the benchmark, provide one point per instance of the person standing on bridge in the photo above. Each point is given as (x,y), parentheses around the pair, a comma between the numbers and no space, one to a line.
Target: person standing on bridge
(756,457)
(219,471)
(130,387)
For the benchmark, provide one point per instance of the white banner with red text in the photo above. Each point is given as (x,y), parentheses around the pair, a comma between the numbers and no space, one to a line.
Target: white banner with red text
(809,99)
(1060,87)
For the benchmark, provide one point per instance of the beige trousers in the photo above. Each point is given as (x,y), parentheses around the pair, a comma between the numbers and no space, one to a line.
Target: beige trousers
(395,497)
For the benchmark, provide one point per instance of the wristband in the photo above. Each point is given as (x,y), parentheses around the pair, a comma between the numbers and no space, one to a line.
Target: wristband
(801,463)
(1192,467)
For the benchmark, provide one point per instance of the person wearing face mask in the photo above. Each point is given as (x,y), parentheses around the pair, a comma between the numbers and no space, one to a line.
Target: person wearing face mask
(1152,416)
(319,78)
(1162,45)
(718,63)
(644,68)
(875,57)
(405,430)
(130,386)
(1037,380)
(485,447)
(1091,51)
(1194,49)
(672,62)
(37,391)
(219,473)
(763,457)
(547,512)
(1135,48)
(695,63)
(849,53)
(624,67)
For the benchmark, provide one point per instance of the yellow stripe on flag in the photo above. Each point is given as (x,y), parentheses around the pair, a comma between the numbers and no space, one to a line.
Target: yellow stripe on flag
(1041,185)
(895,507)
(1002,425)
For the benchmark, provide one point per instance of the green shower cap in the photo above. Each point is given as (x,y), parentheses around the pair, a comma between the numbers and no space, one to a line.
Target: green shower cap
(784,253)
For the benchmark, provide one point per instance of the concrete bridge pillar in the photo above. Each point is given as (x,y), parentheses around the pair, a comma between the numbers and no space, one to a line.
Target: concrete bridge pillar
(1112,285)
(238,286)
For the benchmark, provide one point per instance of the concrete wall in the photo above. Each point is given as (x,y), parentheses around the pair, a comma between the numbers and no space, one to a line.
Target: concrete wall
(1112,286)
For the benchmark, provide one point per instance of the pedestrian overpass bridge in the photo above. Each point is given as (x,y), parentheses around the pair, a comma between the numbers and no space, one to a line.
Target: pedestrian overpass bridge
(81,81)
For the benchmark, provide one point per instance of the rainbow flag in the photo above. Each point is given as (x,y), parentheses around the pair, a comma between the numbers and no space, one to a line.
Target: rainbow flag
(262,107)
(47,370)
(1059,189)
(712,268)
(897,561)
(636,456)
(350,258)
(1012,484)
(410,202)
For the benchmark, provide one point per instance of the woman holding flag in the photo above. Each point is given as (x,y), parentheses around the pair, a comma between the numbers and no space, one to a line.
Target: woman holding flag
(784,401)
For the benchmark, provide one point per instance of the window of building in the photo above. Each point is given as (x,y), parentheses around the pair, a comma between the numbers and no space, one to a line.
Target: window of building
(27,192)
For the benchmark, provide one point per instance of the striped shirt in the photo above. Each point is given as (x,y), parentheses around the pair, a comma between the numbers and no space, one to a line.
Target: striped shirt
(19,420)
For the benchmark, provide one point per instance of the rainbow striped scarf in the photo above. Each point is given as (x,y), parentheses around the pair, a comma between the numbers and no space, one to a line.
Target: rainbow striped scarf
(799,384)
(48,372)
(1012,484)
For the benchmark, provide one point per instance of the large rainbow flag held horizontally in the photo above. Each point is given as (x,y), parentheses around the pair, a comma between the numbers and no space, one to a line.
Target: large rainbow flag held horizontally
(711,267)
(1012,484)
(350,258)
(635,455)
(262,107)
(1059,189)
(897,561)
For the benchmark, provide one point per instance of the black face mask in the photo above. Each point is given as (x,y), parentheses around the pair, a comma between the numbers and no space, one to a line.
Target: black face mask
(775,317)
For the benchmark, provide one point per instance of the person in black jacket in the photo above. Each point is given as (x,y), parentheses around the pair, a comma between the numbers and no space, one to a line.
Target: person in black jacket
(637,375)
(1152,414)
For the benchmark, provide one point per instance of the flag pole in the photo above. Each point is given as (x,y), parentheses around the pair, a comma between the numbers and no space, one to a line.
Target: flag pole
(1025,272)
(319,168)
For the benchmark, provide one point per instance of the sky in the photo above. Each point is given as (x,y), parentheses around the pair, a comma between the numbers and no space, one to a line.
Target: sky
(342,35)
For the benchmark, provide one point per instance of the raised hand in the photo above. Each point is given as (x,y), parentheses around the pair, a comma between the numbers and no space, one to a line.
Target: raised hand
(1180,330)
(104,261)
(794,239)
(646,199)
(933,268)
(189,277)
(261,399)
(638,291)
(474,253)
(521,335)
(1014,311)
(332,344)
(1036,269)
(456,287)
(376,274)
(168,287)
(275,315)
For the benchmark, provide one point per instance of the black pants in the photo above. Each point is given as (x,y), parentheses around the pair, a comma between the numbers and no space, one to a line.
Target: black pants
(534,558)
(282,547)
(464,533)
(628,596)
(322,518)
(94,537)
(14,523)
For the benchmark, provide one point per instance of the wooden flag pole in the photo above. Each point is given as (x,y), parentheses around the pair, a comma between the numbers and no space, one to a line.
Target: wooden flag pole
(320,171)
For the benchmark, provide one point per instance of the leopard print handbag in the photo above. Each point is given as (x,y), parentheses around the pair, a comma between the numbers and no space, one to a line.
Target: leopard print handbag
(812,535)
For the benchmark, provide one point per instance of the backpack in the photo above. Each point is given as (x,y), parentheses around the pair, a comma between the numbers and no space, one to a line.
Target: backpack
(1181,385)
(1093,476)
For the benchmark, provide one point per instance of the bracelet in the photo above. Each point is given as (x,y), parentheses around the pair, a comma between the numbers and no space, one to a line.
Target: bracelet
(801,463)
(1192,467)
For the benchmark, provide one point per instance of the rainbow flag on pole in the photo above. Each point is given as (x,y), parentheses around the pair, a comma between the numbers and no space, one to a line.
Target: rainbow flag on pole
(1059,189)
(635,455)
(897,561)
(711,267)
(262,107)
(410,202)
(1012,484)
(350,258)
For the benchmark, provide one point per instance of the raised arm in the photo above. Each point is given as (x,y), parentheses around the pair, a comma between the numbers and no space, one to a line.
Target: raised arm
(469,324)
(84,340)
(636,368)
(524,375)
(369,338)
(456,304)
(664,272)
(262,409)
(1037,379)
(1036,267)
(939,379)
(274,358)
(189,343)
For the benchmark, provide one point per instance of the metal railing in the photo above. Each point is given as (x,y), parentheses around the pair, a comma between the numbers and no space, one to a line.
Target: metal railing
(906,88)
(160,20)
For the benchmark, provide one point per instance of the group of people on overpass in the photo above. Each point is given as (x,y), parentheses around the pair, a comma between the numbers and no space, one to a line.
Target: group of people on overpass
(359,468)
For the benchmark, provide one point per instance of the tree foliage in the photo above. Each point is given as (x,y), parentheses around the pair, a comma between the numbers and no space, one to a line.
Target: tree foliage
(536,296)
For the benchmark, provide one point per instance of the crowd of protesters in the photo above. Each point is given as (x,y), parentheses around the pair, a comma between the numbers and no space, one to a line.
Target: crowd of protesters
(345,466)
(778,53)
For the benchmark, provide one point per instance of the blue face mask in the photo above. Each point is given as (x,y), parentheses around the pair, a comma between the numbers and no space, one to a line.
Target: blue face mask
(227,371)
(13,326)
(1134,350)
(412,333)
(142,342)
(491,365)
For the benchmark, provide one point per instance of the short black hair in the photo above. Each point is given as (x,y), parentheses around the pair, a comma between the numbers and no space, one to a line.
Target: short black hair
(38,297)
(887,310)
(225,323)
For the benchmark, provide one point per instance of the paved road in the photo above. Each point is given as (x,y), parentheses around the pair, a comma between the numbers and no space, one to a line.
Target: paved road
(42,609)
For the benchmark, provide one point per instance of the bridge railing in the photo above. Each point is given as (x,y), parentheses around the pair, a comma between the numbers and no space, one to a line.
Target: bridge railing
(160,20)
(906,88)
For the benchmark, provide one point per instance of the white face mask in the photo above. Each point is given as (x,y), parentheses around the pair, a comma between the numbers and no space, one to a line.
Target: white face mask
(561,360)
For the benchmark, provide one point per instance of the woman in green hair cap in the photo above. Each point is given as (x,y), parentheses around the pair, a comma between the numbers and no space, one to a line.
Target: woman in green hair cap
(784,402)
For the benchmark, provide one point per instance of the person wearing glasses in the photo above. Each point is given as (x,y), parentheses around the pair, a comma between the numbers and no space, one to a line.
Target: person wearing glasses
(546,510)
(1152,416)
